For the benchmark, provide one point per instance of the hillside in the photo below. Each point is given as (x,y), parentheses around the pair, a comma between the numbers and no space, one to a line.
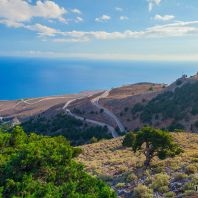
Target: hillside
(25,108)
(76,131)
(117,101)
(121,109)
(120,167)
(60,115)
(178,109)
(91,117)
(171,107)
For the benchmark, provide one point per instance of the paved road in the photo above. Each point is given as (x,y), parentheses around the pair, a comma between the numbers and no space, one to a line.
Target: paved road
(95,101)
(110,128)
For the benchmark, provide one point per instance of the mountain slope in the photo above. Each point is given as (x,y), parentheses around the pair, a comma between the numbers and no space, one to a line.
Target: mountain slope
(171,107)
(120,167)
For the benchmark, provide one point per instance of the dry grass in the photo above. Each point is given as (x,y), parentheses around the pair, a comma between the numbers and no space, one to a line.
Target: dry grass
(115,164)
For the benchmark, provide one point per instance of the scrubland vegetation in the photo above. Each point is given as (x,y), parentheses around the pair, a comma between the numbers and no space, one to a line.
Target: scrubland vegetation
(122,168)
(174,108)
(76,131)
(179,106)
(143,164)
(40,166)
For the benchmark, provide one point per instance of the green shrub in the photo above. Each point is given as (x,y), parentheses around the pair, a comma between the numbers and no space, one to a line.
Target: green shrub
(191,169)
(189,193)
(180,176)
(126,109)
(93,140)
(176,127)
(142,191)
(129,139)
(196,124)
(120,185)
(137,108)
(191,185)
(42,166)
(150,89)
(131,177)
(169,195)
(160,182)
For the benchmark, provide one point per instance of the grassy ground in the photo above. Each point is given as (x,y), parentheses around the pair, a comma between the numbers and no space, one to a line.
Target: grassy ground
(121,168)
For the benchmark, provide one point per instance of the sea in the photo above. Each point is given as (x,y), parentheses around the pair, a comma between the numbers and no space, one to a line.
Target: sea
(39,77)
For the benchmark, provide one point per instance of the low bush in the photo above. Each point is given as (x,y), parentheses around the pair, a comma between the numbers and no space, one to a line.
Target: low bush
(191,169)
(160,182)
(142,191)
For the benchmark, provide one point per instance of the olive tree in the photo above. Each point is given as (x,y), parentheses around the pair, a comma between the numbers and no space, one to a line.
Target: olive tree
(152,142)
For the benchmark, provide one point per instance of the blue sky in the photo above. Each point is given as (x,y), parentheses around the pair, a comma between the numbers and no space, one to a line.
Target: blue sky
(100,29)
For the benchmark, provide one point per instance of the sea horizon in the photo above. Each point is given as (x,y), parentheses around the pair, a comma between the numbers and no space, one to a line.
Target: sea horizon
(26,77)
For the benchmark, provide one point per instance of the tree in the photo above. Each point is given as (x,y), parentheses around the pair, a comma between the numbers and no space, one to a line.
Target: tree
(129,139)
(18,136)
(153,142)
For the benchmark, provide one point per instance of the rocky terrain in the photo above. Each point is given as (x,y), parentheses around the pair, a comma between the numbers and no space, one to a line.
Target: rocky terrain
(121,168)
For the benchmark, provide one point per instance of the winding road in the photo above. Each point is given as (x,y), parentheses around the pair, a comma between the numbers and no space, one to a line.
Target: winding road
(110,128)
(95,102)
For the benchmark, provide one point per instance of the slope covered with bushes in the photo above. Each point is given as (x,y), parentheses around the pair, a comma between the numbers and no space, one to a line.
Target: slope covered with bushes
(172,109)
(122,168)
(76,131)
(41,166)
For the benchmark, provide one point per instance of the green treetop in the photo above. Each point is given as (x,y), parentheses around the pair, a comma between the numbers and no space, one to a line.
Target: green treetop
(152,142)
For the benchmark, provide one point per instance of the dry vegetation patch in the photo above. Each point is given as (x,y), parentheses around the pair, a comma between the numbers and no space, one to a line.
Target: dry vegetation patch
(122,168)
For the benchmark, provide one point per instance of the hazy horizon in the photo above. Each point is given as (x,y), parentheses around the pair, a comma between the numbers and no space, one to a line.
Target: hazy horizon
(39,77)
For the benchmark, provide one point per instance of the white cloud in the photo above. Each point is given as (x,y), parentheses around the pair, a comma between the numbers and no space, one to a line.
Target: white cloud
(48,9)
(18,19)
(76,11)
(42,30)
(15,12)
(176,29)
(103,18)
(123,18)
(118,9)
(152,3)
(164,17)
(79,19)
(10,23)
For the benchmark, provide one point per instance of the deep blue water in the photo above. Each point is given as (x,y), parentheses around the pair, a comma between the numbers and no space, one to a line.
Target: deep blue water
(31,77)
